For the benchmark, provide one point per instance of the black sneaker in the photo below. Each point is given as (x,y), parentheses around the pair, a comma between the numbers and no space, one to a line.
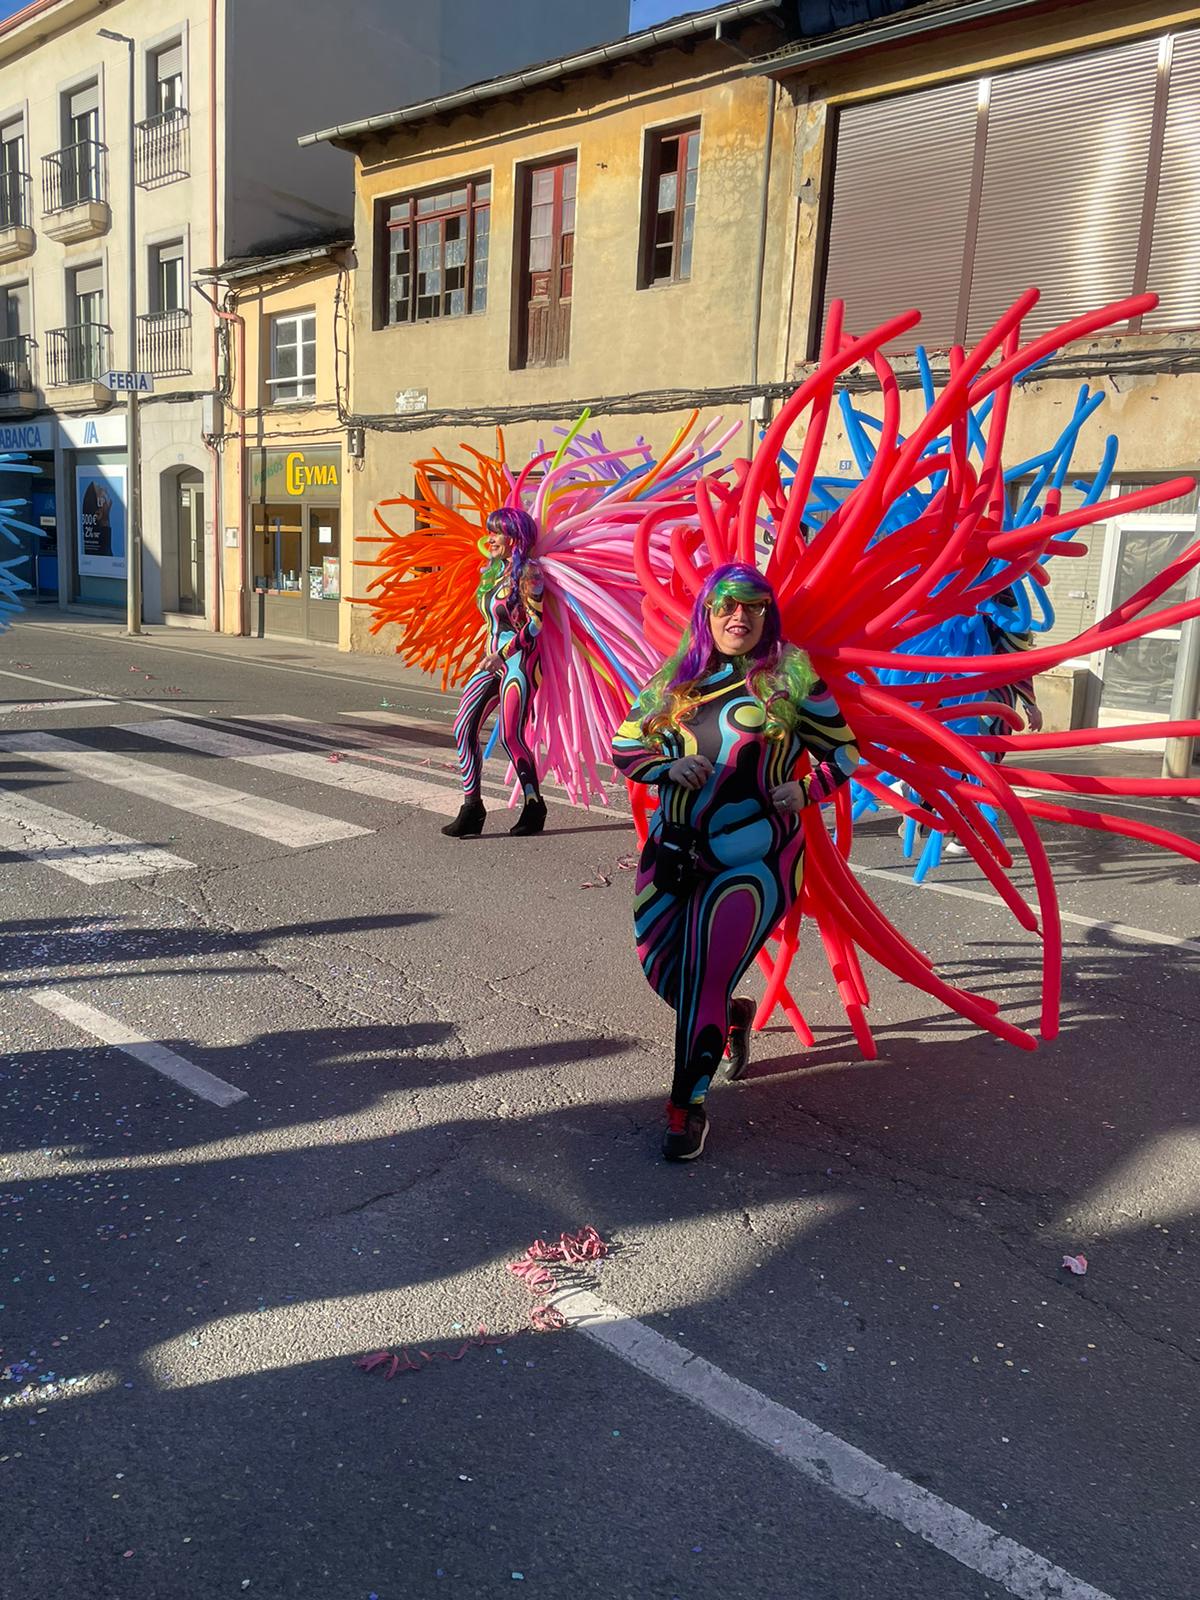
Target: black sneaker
(737,1041)
(687,1129)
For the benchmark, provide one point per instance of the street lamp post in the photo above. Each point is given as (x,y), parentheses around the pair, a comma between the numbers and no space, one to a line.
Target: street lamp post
(133,553)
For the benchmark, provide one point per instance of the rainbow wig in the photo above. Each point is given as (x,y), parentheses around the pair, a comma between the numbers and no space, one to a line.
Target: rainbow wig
(777,675)
(519,528)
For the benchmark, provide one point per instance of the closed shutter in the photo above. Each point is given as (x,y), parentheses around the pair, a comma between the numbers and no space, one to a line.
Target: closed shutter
(1175,253)
(83,102)
(1064,179)
(901,193)
(169,63)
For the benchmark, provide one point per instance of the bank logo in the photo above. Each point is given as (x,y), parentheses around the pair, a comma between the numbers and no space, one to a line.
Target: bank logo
(91,434)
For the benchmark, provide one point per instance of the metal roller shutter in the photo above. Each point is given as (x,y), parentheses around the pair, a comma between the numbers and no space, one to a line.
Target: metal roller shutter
(1064,180)
(901,195)
(1175,254)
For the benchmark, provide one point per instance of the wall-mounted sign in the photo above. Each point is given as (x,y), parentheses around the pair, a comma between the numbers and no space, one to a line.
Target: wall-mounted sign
(100,521)
(27,436)
(296,475)
(128,382)
(92,433)
(408,400)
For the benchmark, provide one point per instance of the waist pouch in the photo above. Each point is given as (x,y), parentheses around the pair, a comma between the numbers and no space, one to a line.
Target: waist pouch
(683,862)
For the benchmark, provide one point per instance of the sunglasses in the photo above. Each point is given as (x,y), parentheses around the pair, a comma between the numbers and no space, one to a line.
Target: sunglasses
(727,606)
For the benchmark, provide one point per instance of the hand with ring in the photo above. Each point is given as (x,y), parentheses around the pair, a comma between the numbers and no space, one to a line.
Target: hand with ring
(693,772)
(789,797)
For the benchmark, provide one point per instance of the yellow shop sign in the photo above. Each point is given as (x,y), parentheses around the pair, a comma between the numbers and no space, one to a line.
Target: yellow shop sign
(277,475)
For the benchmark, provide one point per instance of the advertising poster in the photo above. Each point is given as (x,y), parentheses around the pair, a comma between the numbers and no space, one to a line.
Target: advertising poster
(100,520)
(331,578)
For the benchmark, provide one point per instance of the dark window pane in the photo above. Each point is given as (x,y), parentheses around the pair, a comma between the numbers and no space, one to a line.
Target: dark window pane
(661,270)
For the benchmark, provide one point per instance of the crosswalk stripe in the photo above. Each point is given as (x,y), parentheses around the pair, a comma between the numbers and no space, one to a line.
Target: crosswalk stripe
(79,849)
(393,786)
(250,813)
(110,1030)
(10,709)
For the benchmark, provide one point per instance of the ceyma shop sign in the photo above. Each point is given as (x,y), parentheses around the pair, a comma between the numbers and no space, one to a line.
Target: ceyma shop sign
(277,475)
(27,436)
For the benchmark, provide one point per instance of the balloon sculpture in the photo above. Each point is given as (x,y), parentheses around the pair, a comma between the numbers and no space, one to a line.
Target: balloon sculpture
(11,527)
(588,501)
(923,538)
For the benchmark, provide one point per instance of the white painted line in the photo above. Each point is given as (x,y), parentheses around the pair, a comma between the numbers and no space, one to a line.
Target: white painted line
(7,710)
(268,819)
(824,1458)
(81,850)
(400,790)
(400,720)
(107,1029)
(1098,924)
(44,683)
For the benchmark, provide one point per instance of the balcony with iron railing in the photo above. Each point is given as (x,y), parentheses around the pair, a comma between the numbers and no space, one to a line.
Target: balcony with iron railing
(163,148)
(77,355)
(164,343)
(74,187)
(16,223)
(17,387)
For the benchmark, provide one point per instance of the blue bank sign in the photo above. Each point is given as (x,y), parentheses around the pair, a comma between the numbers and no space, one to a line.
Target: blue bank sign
(27,436)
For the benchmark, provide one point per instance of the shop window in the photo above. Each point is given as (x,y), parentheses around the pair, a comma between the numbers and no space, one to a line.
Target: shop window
(984,212)
(669,205)
(432,258)
(547,265)
(293,357)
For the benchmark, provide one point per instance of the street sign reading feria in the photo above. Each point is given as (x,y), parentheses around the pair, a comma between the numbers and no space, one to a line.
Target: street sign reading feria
(129,382)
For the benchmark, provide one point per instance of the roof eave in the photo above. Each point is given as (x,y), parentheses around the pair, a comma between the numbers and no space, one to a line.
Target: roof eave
(892,30)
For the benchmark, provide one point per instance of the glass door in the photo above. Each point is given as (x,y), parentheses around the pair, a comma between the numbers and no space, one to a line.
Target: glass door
(1137,679)
(279,567)
(190,522)
(324,572)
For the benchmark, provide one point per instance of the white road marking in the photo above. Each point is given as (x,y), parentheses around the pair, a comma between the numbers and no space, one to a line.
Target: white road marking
(823,1457)
(75,847)
(110,1031)
(268,819)
(313,768)
(8,710)
(1097,924)
(44,683)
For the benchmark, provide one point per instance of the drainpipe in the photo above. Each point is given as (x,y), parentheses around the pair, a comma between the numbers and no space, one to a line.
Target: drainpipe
(760,259)
(218,496)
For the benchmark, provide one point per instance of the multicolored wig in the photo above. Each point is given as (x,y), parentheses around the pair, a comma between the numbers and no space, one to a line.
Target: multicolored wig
(777,675)
(519,528)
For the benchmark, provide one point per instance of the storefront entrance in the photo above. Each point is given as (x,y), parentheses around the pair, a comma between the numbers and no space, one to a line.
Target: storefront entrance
(296,542)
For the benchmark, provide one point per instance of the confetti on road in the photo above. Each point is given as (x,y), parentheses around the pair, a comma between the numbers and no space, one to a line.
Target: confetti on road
(1075,1264)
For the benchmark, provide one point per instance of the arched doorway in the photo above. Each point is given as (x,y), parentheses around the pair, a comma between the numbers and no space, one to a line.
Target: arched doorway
(189,524)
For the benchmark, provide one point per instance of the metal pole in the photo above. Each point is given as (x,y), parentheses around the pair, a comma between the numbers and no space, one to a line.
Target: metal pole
(1185,698)
(133,554)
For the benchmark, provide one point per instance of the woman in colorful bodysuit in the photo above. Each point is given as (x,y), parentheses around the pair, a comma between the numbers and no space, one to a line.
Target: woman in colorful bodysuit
(721,731)
(510,597)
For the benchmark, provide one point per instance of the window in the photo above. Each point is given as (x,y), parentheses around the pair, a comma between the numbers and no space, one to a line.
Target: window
(984,213)
(85,295)
(12,174)
(293,357)
(14,311)
(80,156)
(434,255)
(165,88)
(166,277)
(669,210)
(547,265)
(447,492)
(86,345)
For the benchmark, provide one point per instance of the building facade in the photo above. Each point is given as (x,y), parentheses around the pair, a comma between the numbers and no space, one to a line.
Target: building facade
(662,226)
(221,89)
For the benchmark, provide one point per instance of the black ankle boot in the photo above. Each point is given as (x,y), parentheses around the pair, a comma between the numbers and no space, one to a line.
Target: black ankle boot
(468,824)
(532,818)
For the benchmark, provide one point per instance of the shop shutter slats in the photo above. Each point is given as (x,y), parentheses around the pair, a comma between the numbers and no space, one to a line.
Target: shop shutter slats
(1175,254)
(900,200)
(1064,179)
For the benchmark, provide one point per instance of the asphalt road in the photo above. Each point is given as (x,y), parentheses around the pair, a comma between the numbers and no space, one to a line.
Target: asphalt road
(446,1050)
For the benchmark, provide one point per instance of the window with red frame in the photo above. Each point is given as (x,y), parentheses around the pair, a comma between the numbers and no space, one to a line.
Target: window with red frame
(433,257)
(669,212)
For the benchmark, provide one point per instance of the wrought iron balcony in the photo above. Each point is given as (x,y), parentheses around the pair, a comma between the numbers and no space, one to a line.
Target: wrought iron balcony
(164,343)
(163,148)
(14,199)
(73,176)
(77,355)
(16,365)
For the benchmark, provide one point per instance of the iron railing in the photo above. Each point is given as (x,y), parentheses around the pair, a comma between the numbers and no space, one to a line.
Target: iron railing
(77,355)
(164,343)
(163,148)
(16,365)
(73,175)
(14,198)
